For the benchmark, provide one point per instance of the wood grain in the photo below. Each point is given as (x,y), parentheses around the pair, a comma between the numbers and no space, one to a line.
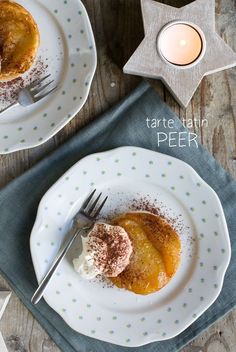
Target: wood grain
(118,30)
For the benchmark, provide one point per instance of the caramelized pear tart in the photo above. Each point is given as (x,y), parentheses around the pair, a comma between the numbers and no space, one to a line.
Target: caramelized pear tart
(19,40)
(156,252)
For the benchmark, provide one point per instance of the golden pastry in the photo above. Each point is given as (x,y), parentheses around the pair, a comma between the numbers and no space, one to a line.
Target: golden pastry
(156,253)
(19,40)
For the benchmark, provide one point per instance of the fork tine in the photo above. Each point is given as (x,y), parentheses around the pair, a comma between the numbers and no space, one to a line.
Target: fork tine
(36,82)
(87,200)
(100,208)
(36,92)
(45,94)
(92,207)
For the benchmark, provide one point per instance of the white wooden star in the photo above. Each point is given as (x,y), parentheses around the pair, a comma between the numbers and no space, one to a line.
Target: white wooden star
(147,62)
(4,299)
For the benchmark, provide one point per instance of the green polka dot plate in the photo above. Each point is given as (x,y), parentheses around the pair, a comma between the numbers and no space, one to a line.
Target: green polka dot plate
(102,311)
(67,52)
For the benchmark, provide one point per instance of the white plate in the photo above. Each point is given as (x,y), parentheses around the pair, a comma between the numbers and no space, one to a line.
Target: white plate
(119,316)
(68,49)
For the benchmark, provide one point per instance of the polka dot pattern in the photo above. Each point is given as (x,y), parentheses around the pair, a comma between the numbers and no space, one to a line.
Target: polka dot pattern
(71,25)
(116,323)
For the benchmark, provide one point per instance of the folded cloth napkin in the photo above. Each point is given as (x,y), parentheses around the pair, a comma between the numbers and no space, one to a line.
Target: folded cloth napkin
(125,124)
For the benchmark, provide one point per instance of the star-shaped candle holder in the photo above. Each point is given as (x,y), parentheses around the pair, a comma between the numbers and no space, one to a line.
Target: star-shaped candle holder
(180,47)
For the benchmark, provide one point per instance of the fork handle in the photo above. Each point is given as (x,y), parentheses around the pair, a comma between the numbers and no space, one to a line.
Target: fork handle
(47,278)
(9,107)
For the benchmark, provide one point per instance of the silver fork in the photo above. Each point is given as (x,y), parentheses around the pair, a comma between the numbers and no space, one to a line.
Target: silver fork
(83,220)
(32,93)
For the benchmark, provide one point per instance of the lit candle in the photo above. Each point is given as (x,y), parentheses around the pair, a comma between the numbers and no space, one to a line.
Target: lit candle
(181,44)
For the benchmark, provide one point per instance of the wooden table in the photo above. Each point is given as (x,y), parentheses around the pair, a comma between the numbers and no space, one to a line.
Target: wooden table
(118,30)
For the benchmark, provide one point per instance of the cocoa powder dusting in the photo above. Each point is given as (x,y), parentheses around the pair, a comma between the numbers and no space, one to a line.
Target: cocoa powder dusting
(146,205)
(168,223)
(111,249)
(9,90)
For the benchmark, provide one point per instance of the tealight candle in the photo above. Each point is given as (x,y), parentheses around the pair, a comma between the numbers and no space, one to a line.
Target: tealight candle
(181,44)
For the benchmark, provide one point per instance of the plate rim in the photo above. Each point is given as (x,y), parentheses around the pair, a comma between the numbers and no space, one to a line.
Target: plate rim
(18,147)
(144,340)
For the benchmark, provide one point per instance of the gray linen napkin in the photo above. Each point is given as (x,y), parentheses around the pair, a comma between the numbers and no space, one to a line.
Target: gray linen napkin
(123,125)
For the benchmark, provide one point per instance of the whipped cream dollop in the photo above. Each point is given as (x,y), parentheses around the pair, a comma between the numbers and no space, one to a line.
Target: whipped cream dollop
(106,251)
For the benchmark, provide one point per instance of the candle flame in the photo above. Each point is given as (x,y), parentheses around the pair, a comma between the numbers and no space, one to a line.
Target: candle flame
(183,42)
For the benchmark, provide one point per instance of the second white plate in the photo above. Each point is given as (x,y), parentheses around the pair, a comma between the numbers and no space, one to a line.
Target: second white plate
(68,52)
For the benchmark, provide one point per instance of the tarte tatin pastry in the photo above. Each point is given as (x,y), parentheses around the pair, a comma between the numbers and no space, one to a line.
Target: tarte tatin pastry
(156,253)
(19,40)
(138,251)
